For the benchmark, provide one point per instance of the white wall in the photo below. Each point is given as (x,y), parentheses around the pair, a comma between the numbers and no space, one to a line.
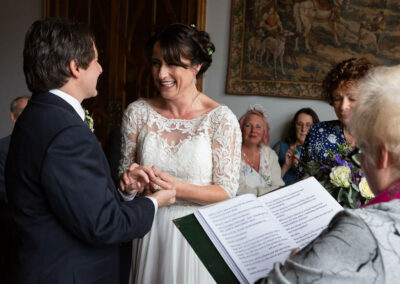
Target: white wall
(279,110)
(15,18)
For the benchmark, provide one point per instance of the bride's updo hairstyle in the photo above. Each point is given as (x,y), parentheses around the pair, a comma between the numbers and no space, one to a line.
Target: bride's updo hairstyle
(183,41)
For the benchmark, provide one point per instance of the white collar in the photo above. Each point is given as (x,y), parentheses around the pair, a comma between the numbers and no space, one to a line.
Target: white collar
(70,100)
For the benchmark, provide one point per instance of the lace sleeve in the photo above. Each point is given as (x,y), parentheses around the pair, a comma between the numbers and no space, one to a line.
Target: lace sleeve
(129,134)
(226,147)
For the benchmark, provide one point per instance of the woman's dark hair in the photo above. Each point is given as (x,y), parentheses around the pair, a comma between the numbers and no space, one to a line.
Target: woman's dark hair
(50,45)
(183,41)
(291,137)
(351,69)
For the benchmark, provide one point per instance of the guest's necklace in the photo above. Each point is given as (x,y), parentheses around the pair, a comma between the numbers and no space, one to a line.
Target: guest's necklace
(252,162)
(349,139)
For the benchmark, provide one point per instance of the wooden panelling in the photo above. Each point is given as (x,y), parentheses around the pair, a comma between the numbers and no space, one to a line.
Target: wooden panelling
(122,28)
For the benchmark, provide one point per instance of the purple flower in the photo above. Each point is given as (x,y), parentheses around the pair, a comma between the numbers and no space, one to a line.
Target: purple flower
(356,177)
(339,161)
(358,203)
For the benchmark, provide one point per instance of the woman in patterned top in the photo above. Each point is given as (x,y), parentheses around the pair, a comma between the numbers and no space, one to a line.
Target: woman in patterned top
(260,170)
(338,86)
(362,245)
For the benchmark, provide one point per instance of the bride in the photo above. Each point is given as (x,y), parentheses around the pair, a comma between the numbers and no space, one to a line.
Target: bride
(191,143)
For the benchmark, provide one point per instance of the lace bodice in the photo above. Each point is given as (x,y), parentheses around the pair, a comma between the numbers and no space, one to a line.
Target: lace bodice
(202,151)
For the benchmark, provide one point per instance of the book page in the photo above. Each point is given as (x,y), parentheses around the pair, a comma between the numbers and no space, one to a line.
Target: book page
(304,209)
(247,236)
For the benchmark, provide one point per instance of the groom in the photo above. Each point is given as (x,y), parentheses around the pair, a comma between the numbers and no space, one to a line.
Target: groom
(69,216)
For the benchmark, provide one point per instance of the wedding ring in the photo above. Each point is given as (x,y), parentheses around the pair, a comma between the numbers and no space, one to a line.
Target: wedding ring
(156,187)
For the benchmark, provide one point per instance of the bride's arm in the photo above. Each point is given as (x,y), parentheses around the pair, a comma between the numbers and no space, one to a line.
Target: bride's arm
(129,134)
(195,193)
(226,146)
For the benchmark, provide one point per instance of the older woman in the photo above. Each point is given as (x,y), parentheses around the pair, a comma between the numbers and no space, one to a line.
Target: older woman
(189,141)
(260,170)
(338,87)
(362,245)
(289,150)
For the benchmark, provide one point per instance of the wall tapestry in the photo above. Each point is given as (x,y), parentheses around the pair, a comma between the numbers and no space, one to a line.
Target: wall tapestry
(284,48)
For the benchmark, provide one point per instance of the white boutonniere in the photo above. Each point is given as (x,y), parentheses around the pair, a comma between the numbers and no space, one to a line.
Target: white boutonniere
(89,120)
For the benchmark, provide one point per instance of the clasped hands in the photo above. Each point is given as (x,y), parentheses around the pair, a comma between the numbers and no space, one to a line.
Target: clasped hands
(291,158)
(150,182)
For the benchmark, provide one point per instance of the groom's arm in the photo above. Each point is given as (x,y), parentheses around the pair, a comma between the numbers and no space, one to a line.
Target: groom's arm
(75,179)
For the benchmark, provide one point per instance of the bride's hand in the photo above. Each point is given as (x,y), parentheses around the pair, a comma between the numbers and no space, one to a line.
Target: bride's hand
(135,178)
(164,181)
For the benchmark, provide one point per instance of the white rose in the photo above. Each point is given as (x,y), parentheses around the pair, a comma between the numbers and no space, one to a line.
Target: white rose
(365,190)
(340,176)
(332,138)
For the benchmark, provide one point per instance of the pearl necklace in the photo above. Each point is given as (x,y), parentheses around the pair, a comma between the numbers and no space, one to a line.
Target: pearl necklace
(251,163)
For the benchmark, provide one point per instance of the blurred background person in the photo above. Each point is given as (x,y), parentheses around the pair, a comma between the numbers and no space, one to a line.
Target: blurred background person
(338,86)
(6,229)
(362,245)
(260,171)
(193,143)
(289,150)
(16,108)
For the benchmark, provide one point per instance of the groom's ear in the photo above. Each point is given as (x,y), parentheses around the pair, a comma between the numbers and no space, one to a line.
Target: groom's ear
(74,68)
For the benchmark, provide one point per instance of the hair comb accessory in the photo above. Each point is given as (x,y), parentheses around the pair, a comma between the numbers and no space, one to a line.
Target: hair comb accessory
(209,51)
(259,108)
(193,26)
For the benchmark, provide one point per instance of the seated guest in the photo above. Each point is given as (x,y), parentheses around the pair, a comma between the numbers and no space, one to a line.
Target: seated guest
(289,150)
(362,245)
(260,171)
(338,86)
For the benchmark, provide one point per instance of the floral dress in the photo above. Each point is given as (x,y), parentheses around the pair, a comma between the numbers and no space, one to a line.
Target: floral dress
(266,179)
(322,137)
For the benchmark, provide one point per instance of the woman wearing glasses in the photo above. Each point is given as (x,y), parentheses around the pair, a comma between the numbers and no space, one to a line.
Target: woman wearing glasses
(289,150)
(338,86)
(362,245)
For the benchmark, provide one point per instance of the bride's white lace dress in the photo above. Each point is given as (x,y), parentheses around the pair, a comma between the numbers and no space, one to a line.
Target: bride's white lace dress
(201,151)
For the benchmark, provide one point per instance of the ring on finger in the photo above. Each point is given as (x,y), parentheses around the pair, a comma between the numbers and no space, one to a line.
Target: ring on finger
(156,187)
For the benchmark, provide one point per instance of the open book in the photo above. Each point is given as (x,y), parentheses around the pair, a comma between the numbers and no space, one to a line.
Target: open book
(251,233)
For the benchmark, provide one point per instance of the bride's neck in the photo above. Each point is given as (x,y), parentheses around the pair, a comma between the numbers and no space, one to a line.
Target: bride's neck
(185,105)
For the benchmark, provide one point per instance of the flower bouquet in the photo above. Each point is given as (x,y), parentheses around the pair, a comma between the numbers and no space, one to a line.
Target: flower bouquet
(341,177)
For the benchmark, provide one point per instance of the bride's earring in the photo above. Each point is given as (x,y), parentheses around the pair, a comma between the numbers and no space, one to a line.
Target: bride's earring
(195,76)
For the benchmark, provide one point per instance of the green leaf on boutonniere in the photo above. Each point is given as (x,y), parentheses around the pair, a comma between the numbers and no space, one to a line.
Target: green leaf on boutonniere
(89,120)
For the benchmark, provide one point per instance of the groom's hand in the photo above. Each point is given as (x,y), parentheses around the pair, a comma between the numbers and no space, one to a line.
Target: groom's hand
(135,179)
(164,197)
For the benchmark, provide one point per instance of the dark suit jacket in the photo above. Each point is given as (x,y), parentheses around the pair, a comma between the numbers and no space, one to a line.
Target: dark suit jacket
(4,143)
(69,215)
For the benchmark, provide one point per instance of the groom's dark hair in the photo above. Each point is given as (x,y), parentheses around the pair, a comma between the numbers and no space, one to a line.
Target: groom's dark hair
(50,45)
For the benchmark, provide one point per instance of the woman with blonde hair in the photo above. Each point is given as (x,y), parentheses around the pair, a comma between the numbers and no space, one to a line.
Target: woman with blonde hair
(362,245)
(260,170)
